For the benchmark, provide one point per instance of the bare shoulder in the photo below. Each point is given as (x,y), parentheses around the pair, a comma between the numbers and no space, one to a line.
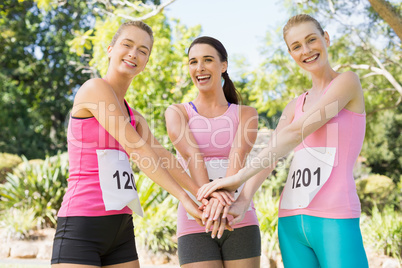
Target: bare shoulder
(291,106)
(348,80)
(92,89)
(247,111)
(176,110)
(289,112)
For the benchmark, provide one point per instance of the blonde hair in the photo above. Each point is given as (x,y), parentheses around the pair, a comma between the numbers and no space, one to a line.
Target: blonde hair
(298,19)
(139,24)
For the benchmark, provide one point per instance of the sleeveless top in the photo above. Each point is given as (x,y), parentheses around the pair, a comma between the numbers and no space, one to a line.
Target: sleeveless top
(214,137)
(84,195)
(333,193)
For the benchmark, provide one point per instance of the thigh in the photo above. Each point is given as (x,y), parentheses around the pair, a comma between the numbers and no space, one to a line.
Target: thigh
(242,243)
(295,248)
(249,263)
(131,264)
(198,248)
(203,264)
(338,243)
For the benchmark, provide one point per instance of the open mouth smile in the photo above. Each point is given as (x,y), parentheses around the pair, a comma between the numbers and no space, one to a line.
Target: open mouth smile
(130,63)
(203,78)
(312,58)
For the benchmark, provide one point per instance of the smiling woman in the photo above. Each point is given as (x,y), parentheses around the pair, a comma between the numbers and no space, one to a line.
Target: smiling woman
(95,226)
(213,135)
(319,208)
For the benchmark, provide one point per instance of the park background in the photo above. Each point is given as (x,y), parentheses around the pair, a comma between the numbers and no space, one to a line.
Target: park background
(48,48)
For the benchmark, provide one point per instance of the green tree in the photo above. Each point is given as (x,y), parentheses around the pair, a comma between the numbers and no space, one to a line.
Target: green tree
(165,80)
(37,76)
(360,41)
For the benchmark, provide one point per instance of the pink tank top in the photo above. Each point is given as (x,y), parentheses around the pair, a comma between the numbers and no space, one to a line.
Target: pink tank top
(84,196)
(337,198)
(214,138)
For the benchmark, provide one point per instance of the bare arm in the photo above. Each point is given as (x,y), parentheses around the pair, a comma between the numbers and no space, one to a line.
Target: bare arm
(98,98)
(184,141)
(344,92)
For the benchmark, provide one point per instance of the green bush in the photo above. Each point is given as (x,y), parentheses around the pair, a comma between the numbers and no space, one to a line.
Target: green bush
(383,231)
(38,185)
(376,190)
(266,202)
(266,205)
(7,163)
(157,230)
(18,222)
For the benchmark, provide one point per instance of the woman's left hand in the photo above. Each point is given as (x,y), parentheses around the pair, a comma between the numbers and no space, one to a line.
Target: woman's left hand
(230,184)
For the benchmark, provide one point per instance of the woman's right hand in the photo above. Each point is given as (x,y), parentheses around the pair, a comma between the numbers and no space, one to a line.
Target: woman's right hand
(192,209)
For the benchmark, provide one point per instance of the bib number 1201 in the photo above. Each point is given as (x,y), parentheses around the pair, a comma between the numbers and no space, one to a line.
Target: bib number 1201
(300,177)
(127,178)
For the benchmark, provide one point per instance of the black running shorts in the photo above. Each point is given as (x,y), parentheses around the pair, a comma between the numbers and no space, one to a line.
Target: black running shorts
(99,241)
(242,243)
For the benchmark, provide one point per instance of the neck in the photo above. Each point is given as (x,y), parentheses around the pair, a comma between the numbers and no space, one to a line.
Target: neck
(211,99)
(119,84)
(322,78)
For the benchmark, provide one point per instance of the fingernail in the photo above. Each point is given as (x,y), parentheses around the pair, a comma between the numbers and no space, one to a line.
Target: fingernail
(212,236)
(219,236)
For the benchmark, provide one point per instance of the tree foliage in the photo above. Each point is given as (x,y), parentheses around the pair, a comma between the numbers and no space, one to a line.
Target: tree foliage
(36,75)
(165,80)
(361,42)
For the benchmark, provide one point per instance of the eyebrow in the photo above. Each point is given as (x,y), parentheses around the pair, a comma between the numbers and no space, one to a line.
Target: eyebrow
(129,40)
(304,38)
(207,56)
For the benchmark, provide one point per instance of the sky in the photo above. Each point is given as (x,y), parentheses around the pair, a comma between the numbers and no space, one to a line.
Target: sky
(239,24)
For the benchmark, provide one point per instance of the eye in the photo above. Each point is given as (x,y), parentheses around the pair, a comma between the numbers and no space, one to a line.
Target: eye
(296,47)
(126,45)
(312,40)
(192,62)
(208,60)
(143,52)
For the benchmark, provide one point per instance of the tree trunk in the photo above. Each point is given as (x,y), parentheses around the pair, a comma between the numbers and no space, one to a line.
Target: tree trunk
(389,14)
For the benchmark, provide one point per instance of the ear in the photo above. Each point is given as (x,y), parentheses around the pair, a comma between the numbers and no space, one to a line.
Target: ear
(225,66)
(327,40)
(109,50)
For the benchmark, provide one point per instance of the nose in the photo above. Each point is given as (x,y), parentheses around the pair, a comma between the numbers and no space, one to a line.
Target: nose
(306,50)
(200,66)
(132,54)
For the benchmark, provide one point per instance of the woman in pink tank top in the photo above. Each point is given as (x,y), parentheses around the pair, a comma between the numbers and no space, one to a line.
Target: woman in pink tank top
(95,225)
(319,208)
(213,136)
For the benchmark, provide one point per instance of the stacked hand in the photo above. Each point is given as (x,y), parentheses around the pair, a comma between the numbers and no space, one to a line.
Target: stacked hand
(215,212)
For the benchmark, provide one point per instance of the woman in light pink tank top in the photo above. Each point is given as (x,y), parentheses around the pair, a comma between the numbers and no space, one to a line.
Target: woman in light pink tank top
(319,208)
(213,136)
(95,226)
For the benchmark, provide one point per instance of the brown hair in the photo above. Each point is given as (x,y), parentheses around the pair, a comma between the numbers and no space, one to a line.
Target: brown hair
(139,24)
(230,91)
(298,19)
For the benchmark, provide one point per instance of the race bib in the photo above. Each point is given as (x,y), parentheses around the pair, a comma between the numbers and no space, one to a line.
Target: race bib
(117,181)
(309,171)
(216,169)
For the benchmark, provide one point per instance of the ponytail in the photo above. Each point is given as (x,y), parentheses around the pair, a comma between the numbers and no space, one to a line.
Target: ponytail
(229,89)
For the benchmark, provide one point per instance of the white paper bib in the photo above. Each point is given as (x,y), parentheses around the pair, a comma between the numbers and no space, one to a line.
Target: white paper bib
(309,171)
(216,169)
(117,181)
